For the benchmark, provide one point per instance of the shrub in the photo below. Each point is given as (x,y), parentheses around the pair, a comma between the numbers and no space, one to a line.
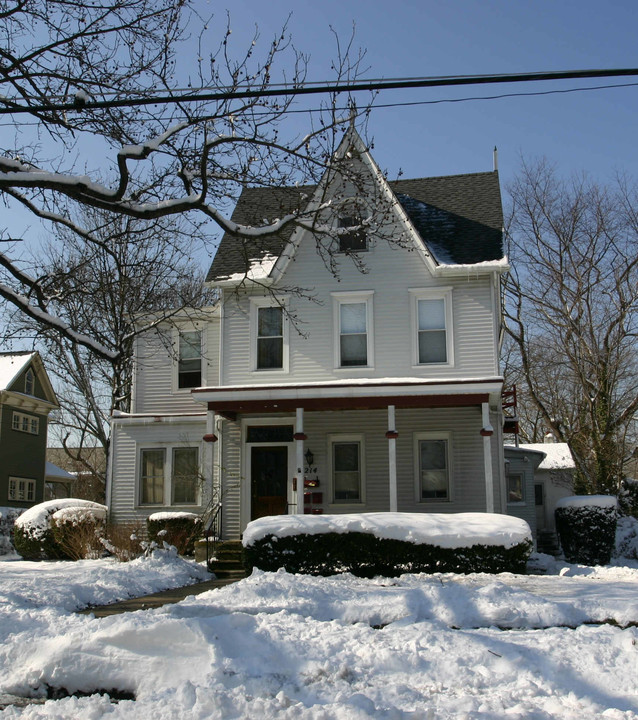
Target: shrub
(33,535)
(180,529)
(78,531)
(586,526)
(123,540)
(366,555)
(8,517)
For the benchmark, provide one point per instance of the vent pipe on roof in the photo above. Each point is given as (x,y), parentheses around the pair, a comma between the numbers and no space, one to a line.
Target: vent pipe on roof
(549,438)
(495,158)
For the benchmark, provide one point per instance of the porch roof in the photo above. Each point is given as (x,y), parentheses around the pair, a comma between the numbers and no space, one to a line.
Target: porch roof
(230,400)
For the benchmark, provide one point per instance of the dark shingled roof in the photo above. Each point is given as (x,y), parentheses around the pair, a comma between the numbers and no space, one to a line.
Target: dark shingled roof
(459,217)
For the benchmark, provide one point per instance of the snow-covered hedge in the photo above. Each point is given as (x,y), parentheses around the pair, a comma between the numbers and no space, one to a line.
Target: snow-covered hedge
(180,529)
(8,517)
(586,526)
(369,544)
(33,534)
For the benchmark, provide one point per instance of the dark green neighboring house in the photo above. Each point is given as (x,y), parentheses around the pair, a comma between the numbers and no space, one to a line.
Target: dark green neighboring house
(26,399)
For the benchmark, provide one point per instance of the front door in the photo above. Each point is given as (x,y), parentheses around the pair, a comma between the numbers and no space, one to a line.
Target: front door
(269,481)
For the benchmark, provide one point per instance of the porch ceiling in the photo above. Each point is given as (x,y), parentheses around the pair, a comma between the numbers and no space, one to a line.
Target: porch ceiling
(230,401)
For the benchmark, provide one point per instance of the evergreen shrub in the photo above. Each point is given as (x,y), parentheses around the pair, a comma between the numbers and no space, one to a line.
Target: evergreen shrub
(365,555)
(180,529)
(587,532)
(7,519)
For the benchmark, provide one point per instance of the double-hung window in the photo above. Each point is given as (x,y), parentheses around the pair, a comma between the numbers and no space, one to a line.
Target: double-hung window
(433,467)
(21,489)
(346,455)
(269,334)
(169,476)
(432,323)
(189,361)
(353,329)
(25,423)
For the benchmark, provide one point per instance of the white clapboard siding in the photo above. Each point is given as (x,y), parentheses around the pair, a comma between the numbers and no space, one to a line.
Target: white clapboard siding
(391,272)
(155,372)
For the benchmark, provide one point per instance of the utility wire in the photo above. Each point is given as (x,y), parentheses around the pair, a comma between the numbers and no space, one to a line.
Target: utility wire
(315,89)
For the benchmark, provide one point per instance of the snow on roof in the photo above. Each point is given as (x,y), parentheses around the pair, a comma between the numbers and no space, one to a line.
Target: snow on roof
(557,455)
(11,365)
(587,501)
(444,530)
(53,471)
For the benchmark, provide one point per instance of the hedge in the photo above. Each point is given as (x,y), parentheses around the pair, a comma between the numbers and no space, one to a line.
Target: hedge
(180,529)
(587,533)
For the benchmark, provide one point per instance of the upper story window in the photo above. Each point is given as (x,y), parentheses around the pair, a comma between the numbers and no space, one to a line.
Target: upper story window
(21,489)
(353,329)
(433,467)
(25,423)
(354,240)
(432,321)
(269,334)
(189,363)
(29,382)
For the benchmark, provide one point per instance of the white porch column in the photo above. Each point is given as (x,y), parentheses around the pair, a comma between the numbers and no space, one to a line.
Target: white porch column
(392,436)
(299,441)
(487,431)
(208,461)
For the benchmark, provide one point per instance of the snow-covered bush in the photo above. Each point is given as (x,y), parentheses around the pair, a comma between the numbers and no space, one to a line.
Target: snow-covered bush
(33,535)
(627,538)
(586,526)
(180,529)
(78,531)
(124,540)
(388,544)
(7,520)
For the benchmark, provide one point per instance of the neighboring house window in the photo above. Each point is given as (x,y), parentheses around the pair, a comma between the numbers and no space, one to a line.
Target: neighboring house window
(29,382)
(152,476)
(189,366)
(354,240)
(25,423)
(185,475)
(21,489)
(169,476)
(347,469)
(269,334)
(515,488)
(353,325)
(432,320)
(433,467)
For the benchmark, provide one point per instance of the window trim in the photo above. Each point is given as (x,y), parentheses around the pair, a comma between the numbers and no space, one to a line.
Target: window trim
(15,480)
(347,438)
(353,298)
(167,490)
(442,293)
(177,331)
(32,420)
(433,435)
(268,302)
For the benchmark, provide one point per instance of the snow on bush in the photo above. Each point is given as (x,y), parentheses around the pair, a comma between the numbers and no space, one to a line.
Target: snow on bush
(8,517)
(33,536)
(627,538)
(78,531)
(179,529)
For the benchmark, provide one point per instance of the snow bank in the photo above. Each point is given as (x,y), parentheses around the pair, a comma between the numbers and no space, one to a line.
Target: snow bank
(441,529)
(603,501)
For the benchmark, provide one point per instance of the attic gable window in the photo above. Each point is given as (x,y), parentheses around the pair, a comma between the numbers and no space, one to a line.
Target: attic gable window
(189,365)
(29,382)
(355,240)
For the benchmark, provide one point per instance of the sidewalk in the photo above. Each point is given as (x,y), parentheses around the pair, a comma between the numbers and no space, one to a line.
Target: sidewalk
(166,597)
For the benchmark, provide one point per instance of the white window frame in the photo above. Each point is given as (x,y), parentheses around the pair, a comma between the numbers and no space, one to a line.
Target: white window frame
(442,293)
(347,438)
(19,419)
(520,475)
(29,380)
(168,449)
(447,436)
(269,302)
(175,334)
(18,485)
(353,298)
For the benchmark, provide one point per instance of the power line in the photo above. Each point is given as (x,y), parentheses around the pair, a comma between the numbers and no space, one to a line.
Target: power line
(318,88)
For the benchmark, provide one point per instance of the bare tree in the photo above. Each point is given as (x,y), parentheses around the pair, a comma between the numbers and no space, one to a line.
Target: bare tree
(571,305)
(94,71)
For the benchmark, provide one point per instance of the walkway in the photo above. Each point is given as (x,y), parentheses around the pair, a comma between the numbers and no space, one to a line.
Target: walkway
(148,602)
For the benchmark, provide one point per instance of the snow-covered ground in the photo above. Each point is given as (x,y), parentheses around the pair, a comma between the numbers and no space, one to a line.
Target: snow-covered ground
(282,646)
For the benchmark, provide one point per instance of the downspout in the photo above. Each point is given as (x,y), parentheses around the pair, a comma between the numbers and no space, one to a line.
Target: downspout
(487,431)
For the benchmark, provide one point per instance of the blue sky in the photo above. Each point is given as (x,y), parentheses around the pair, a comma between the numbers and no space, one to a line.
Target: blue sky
(591,131)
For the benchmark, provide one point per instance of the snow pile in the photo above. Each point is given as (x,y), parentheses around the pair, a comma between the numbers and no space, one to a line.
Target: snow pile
(601,501)
(444,530)
(37,520)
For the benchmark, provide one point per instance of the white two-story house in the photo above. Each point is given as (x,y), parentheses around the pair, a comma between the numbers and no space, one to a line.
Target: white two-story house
(364,361)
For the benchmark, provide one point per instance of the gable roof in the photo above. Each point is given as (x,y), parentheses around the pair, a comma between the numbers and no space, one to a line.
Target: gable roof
(11,365)
(459,218)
